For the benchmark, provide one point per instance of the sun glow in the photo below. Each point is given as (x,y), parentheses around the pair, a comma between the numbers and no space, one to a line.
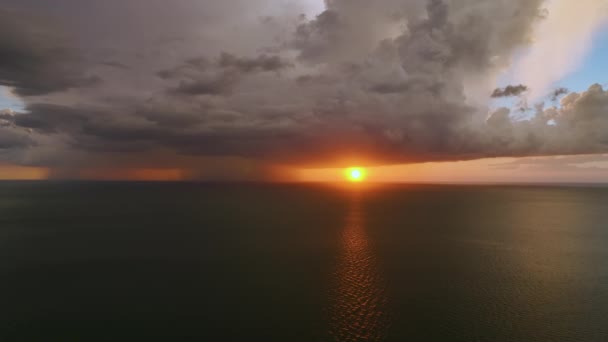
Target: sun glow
(355,174)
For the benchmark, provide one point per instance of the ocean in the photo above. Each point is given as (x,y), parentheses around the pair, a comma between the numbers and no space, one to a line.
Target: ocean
(104,261)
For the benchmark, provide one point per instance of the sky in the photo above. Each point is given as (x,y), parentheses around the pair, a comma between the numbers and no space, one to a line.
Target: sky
(297,90)
(593,66)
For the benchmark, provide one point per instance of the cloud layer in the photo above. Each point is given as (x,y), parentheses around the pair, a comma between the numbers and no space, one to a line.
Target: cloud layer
(388,81)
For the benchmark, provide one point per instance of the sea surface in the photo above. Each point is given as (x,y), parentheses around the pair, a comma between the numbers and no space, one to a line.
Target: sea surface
(253,262)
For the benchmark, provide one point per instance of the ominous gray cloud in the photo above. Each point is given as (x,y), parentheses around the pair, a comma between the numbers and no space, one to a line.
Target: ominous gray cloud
(114,65)
(509,91)
(11,137)
(384,81)
(557,93)
(219,78)
(6,117)
(247,65)
(35,59)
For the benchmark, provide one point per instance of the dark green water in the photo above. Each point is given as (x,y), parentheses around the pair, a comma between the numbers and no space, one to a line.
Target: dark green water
(195,262)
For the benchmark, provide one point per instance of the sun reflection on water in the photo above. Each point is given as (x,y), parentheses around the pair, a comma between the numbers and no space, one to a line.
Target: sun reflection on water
(358,298)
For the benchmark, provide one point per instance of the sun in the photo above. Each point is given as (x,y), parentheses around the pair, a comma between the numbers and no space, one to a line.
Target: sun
(355,174)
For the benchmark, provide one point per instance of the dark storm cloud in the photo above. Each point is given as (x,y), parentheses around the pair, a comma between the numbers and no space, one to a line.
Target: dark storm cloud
(557,93)
(316,38)
(390,88)
(387,81)
(11,138)
(187,69)
(221,83)
(248,65)
(509,91)
(6,117)
(50,118)
(114,65)
(203,77)
(35,59)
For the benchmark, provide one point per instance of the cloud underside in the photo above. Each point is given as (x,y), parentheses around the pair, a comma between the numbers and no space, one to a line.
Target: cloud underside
(383,82)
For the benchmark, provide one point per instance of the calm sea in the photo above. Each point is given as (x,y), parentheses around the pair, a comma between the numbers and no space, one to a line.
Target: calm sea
(201,262)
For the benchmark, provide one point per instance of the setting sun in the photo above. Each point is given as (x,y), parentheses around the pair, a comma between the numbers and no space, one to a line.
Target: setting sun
(355,174)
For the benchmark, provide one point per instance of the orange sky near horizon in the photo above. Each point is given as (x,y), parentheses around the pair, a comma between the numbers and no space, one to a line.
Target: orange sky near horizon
(14,172)
(492,170)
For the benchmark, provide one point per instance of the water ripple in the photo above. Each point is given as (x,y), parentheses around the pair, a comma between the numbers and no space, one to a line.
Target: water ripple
(358,298)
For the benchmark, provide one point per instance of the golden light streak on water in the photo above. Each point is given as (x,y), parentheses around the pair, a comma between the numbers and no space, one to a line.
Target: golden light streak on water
(358,300)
